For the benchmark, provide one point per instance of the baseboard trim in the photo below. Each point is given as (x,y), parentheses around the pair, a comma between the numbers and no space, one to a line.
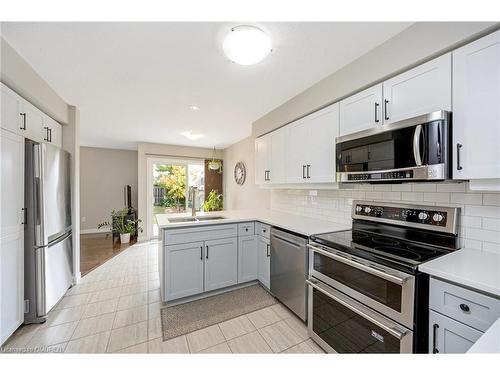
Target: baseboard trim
(94,230)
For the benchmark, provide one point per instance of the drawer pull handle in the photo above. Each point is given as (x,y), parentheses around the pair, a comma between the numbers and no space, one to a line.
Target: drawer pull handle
(435,327)
(464,307)
(246,229)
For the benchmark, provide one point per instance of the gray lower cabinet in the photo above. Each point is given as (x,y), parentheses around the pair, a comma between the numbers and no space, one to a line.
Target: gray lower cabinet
(264,261)
(221,263)
(184,272)
(248,265)
(449,336)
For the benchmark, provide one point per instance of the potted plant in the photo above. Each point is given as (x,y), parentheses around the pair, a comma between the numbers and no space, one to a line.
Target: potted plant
(121,224)
(213,202)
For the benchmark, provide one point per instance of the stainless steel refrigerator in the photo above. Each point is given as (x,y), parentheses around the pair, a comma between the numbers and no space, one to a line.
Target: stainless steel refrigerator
(48,261)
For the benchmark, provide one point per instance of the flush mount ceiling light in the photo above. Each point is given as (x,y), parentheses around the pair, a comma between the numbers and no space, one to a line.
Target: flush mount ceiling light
(192,135)
(194,107)
(246,45)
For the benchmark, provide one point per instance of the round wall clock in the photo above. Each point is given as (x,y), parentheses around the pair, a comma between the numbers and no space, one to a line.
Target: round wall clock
(240,173)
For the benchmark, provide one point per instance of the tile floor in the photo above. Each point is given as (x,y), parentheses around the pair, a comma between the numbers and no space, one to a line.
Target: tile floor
(116,309)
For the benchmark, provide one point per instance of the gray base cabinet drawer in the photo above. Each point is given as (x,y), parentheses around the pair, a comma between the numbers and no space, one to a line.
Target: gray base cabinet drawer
(469,307)
(263,230)
(205,233)
(246,229)
(449,336)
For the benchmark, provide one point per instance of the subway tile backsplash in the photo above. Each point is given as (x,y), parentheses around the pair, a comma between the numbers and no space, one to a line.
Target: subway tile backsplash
(479,212)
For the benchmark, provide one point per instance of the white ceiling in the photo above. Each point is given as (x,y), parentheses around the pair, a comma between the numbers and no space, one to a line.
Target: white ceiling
(134,82)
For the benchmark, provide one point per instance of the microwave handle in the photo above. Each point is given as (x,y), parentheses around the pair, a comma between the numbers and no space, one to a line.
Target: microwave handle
(391,330)
(416,145)
(360,266)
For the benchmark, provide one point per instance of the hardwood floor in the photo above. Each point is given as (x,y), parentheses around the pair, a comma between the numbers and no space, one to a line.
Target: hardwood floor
(97,248)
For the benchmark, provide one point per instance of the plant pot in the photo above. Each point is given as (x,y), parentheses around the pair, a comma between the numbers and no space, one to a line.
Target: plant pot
(124,237)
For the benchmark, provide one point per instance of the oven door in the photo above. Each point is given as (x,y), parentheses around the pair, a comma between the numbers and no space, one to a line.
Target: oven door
(387,291)
(340,324)
(414,149)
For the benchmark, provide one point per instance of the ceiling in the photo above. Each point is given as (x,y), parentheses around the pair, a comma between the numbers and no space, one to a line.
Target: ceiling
(134,82)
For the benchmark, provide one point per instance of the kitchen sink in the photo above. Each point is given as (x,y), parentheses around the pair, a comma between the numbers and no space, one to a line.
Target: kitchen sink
(204,218)
(182,219)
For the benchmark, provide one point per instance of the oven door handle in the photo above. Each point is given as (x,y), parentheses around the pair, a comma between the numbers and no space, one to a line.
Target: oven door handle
(416,145)
(391,330)
(386,276)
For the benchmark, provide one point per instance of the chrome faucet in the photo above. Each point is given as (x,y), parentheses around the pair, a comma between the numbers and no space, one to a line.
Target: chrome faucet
(191,197)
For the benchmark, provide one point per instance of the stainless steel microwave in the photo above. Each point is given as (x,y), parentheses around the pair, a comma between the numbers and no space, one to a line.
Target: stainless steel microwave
(416,149)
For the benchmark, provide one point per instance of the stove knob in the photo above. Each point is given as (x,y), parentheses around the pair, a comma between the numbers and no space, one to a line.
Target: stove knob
(423,216)
(359,208)
(437,218)
(368,210)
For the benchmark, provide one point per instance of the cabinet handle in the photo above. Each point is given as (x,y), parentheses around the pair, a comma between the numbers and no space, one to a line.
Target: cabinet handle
(434,338)
(376,112)
(386,116)
(268,250)
(23,115)
(207,251)
(246,229)
(201,252)
(50,134)
(459,146)
(46,136)
(268,175)
(25,216)
(303,171)
(464,307)
(308,166)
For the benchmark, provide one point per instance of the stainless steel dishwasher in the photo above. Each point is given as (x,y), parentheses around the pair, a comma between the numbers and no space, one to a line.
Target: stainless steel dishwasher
(289,264)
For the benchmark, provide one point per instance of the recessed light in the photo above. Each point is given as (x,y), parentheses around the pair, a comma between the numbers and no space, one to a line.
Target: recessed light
(246,45)
(194,107)
(192,135)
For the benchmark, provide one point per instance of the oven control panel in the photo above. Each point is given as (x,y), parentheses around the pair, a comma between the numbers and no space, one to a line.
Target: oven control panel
(429,216)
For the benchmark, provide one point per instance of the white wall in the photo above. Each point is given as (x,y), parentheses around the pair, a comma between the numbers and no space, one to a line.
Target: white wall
(248,195)
(104,173)
(479,212)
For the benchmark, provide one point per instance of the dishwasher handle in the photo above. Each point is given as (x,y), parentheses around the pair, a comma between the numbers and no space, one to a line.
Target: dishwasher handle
(287,240)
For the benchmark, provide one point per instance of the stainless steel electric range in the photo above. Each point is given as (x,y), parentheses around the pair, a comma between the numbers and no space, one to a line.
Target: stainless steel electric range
(366,294)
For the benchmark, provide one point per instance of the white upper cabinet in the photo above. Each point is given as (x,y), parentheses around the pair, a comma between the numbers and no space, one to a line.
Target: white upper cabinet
(296,152)
(476,109)
(52,131)
(11,117)
(34,122)
(421,90)
(262,159)
(361,111)
(277,168)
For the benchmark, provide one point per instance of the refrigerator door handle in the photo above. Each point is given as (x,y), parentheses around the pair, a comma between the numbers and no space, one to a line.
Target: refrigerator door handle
(41,306)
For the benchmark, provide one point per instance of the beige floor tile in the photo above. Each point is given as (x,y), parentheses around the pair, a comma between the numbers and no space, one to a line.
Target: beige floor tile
(124,337)
(263,317)
(236,327)
(131,316)
(136,349)
(70,314)
(176,345)
(90,344)
(298,326)
(127,290)
(305,347)
(280,336)
(91,326)
(218,349)
(100,308)
(204,338)
(154,329)
(53,335)
(282,311)
(72,301)
(22,336)
(105,294)
(154,296)
(133,300)
(154,310)
(249,343)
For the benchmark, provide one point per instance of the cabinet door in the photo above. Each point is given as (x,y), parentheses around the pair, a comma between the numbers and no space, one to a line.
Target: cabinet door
(449,336)
(34,122)
(11,111)
(11,233)
(277,173)
(476,109)
(424,89)
(323,128)
(296,144)
(52,131)
(184,265)
(361,111)
(221,263)
(264,261)
(262,156)
(247,259)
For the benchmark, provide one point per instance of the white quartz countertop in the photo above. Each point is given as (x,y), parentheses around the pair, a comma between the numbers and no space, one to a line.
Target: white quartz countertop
(472,268)
(299,224)
(489,342)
